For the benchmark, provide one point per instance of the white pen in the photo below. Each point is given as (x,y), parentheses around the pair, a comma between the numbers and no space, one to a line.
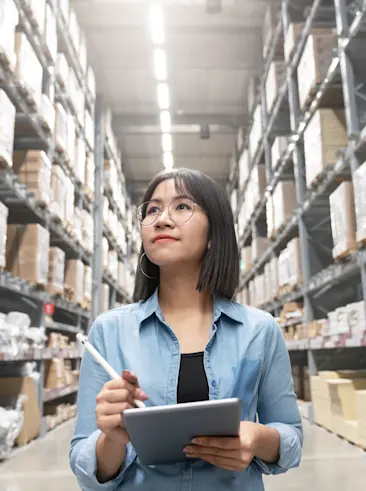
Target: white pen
(103,363)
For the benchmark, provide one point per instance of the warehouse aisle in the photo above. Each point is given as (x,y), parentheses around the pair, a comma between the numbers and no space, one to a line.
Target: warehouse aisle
(328,463)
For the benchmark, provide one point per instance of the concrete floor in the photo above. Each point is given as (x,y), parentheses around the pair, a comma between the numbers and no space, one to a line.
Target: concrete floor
(328,463)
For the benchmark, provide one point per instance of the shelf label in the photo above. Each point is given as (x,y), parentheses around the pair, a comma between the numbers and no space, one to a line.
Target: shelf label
(49,308)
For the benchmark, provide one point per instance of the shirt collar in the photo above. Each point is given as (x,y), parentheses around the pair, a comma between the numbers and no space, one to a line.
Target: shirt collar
(221,306)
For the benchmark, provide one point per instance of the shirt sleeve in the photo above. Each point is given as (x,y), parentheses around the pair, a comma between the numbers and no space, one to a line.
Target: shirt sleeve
(277,404)
(83,458)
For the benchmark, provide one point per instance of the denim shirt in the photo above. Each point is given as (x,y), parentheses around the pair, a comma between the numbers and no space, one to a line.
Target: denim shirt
(246,357)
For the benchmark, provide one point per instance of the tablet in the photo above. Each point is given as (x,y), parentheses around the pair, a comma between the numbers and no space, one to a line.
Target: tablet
(159,434)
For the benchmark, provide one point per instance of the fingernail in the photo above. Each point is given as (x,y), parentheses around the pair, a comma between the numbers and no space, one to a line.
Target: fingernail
(195,440)
(143,395)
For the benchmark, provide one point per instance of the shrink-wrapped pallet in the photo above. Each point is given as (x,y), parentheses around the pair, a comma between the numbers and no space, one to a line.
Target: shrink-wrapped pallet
(343,220)
(56,270)
(8,21)
(28,70)
(359,186)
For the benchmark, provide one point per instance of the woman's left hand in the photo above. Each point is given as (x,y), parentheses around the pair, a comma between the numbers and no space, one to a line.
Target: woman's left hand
(234,454)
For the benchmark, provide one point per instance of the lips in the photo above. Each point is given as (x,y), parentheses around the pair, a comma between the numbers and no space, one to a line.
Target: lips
(164,239)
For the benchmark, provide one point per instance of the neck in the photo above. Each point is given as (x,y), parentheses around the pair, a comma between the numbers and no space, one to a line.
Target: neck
(179,292)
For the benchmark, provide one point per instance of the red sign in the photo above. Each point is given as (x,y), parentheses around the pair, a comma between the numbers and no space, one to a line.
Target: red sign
(49,308)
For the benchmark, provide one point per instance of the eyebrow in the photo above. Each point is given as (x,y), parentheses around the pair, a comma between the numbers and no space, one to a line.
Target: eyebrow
(160,200)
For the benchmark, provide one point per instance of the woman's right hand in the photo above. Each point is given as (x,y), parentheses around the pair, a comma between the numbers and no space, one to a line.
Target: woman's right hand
(113,399)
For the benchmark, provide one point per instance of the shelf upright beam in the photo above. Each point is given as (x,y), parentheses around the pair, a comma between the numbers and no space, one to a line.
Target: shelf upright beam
(98,208)
(300,182)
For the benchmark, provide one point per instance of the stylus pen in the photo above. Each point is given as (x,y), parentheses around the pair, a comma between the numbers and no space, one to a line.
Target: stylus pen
(103,363)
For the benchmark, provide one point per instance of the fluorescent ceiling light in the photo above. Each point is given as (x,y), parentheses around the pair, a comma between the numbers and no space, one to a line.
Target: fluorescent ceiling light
(157,24)
(166,142)
(165,121)
(168,160)
(160,64)
(163,96)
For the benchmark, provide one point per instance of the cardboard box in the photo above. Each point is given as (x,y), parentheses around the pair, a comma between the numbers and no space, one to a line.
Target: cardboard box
(71,136)
(258,181)
(47,113)
(259,247)
(77,223)
(284,203)
(89,175)
(80,159)
(270,215)
(28,70)
(69,200)
(74,29)
(122,274)
(343,396)
(56,268)
(7,124)
(60,131)
(33,168)
(255,134)
(87,284)
(246,259)
(58,190)
(105,251)
(275,79)
(295,271)
(315,62)
(3,233)
(252,294)
(343,220)
(27,386)
(74,279)
(113,263)
(278,150)
(243,168)
(324,135)
(27,252)
(88,231)
(273,278)
(291,38)
(89,129)
(105,297)
(62,70)
(50,30)
(55,374)
(8,21)
(359,186)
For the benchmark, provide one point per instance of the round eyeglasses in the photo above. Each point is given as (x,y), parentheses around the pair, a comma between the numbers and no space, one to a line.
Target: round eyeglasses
(180,211)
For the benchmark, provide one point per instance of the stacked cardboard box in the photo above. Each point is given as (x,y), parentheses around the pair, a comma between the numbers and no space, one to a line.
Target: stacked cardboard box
(284,203)
(105,297)
(361,416)
(3,233)
(56,267)
(33,168)
(271,273)
(289,266)
(7,123)
(324,135)
(259,247)
(71,139)
(87,231)
(8,21)
(60,130)
(278,149)
(255,190)
(58,373)
(255,132)
(359,186)
(252,294)
(87,290)
(89,175)
(346,320)
(27,252)
(259,287)
(74,279)
(343,220)
(77,224)
(315,62)
(28,70)
(80,159)
(69,206)
(57,414)
(291,37)
(105,250)
(270,215)
(57,205)
(275,78)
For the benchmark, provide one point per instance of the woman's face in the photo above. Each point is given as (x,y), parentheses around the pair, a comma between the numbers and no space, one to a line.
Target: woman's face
(167,242)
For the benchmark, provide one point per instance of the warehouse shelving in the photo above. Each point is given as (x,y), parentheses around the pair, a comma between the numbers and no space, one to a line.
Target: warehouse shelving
(318,293)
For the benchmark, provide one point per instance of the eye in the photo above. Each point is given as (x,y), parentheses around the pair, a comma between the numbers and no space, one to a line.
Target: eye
(152,210)
(183,205)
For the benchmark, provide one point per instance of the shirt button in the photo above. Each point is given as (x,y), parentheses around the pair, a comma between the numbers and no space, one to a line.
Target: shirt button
(214,383)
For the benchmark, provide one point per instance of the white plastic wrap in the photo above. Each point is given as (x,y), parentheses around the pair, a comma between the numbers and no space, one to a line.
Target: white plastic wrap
(11,423)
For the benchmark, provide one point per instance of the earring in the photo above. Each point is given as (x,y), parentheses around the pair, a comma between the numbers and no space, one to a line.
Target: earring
(142,271)
(209,245)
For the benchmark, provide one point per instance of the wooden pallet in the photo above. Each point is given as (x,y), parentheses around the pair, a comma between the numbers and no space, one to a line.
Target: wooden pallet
(286,290)
(346,254)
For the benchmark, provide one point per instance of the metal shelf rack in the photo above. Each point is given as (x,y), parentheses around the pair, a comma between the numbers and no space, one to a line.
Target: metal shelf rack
(321,274)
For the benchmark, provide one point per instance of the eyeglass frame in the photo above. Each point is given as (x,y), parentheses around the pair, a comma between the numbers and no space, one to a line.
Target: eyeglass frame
(195,205)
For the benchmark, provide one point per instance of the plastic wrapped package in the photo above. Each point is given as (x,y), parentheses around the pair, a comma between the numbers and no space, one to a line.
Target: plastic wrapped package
(105,250)
(283,268)
(343,220)
(88,230)
(273,277)
(105,297)
(33,168)
(87,284)
(9,18)
(28,69)
(77,223)
(359,187)
(27,252)
(294,262)
(89,129)
(74,279)
(62,70)
(80,159)
(57,205)
(4,212)
(11,423)
(51,33)
(56,268)
(69,200)
(47,113)
(113,264)
(324,135)
(89,174)
(7,125)
(60,128)
(70,139)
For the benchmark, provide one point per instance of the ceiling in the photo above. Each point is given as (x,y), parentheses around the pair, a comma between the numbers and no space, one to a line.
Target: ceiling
(210,59)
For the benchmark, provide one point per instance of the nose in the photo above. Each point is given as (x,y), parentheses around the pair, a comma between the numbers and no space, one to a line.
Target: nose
(164,219)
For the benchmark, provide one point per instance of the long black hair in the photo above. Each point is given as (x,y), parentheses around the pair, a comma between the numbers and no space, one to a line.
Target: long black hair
(219,273)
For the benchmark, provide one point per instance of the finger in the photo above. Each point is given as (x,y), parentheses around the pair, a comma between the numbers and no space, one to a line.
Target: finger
(118,395)
(224,463)
(119,383)
(108,423)
(221,452)
(231,443)
(112,409)
(130,377)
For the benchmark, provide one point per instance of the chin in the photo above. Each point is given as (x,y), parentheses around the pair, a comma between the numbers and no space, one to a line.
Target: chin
(166,258)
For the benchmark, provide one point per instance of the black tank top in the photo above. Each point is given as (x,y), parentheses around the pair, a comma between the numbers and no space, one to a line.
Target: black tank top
(192,381)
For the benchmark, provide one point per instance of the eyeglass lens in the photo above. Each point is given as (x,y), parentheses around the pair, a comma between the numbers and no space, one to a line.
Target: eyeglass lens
(180,210)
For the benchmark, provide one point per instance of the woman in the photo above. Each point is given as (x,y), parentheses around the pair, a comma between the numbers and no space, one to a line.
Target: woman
(185,340)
